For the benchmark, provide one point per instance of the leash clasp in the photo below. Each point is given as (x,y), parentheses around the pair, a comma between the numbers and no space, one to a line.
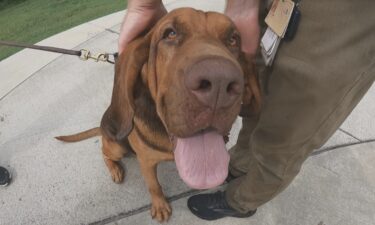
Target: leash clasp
(86,55)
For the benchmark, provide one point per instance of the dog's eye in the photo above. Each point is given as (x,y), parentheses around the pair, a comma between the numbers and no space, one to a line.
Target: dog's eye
(233,40)
(170,34)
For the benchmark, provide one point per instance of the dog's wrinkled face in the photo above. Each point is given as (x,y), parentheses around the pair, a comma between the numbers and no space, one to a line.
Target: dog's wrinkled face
(198,78)
(198,81)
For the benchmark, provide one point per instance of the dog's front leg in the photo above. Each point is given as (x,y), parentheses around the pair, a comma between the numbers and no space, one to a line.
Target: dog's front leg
(160,209)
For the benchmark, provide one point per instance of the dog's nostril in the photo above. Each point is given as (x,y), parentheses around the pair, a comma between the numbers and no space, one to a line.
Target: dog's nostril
(233,88)
(205,85)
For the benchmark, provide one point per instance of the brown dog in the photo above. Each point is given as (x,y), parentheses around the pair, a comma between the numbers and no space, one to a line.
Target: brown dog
(177,92)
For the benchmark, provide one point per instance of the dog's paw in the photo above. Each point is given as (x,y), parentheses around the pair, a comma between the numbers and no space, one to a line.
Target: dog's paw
(117,174)
(116,170)
(160,210)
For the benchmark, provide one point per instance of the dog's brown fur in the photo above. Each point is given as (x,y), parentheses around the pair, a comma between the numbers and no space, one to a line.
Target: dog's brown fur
(150,103)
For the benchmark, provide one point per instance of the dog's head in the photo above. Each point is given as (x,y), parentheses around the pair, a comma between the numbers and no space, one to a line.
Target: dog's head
(192,65)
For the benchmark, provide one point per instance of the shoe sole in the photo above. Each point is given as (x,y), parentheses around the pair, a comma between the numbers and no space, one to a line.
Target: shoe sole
(220,216)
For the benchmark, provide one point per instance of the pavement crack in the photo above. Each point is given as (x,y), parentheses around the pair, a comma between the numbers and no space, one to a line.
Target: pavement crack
(112,31)
(331,171)
(142,209)
(340,146)
(351,135)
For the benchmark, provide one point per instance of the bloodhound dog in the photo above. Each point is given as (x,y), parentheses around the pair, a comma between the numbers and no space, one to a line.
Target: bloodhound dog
(177,91)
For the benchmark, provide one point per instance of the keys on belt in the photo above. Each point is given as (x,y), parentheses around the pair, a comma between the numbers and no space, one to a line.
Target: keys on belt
(282,20)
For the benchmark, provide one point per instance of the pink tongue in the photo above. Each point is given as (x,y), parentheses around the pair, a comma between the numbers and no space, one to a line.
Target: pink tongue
(202,160)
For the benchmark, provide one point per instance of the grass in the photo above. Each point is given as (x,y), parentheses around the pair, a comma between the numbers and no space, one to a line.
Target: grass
(30,21)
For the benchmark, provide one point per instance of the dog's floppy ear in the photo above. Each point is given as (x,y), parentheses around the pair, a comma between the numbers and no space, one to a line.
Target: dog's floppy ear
(117,121)
(251,102)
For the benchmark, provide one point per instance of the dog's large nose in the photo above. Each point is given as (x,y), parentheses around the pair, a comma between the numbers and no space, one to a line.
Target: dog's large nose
(217,83)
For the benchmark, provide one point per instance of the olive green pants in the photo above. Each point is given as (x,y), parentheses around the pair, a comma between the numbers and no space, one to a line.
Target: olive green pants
(315,82)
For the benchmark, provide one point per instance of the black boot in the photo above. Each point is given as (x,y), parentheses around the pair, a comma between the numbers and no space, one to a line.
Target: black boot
(4,176)
(213,206)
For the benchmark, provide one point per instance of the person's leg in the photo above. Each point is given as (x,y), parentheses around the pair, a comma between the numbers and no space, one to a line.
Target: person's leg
(316,81)
(240,154)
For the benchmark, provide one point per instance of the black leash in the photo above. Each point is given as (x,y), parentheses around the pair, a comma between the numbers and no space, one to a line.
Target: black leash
(83,54)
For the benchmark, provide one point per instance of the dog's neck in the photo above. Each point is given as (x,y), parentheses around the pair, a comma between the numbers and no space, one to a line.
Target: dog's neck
(152,127)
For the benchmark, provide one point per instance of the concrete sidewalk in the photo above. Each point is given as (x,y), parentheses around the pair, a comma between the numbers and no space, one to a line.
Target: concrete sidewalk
(43,95)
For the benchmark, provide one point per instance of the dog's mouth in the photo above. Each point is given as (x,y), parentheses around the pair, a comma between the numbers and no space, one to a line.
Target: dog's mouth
(202,159)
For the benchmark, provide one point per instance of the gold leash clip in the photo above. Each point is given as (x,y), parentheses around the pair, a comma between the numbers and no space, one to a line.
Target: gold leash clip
(86,55)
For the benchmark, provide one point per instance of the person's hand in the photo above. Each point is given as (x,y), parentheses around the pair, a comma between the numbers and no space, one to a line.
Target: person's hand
(244,14)
(141,15)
